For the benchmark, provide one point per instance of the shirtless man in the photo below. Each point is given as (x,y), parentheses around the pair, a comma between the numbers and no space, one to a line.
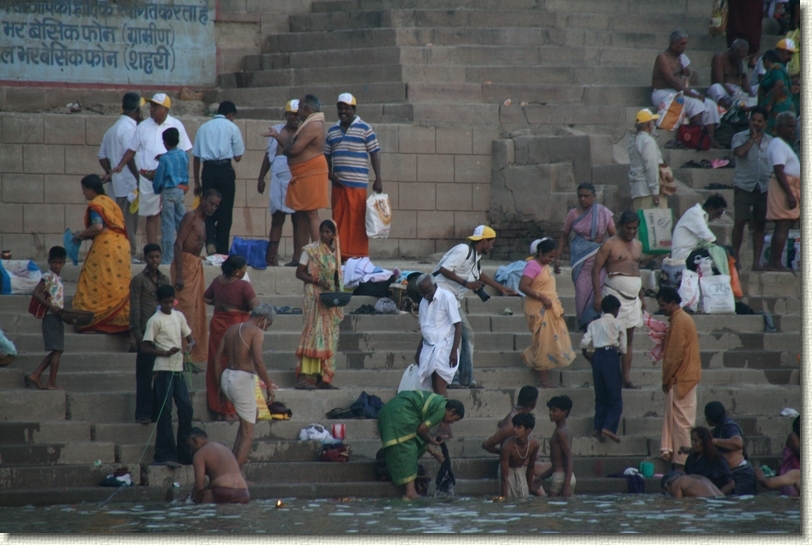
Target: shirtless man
(187,270)
(729,78)
(308,187)
(214,460)
(526,404)
(620,255)
(518,453)
(671,75)
(242,349)
(790,478)
(561,469)
(681,485)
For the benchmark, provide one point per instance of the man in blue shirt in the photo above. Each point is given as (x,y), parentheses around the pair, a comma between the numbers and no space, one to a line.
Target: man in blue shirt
(218,142)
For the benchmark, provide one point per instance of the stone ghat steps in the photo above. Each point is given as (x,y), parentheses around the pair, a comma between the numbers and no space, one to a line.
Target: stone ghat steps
(73,495)
(22,405)
(105,380)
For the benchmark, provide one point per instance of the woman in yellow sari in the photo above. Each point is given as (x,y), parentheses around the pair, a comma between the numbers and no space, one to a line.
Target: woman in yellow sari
(551,348)
(104,283)
(320,270)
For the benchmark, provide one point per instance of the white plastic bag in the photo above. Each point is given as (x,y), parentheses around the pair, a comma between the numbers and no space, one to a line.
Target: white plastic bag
(717,295)
(689,290)
(671,112)
(410,380)
(316,432)
(378,216)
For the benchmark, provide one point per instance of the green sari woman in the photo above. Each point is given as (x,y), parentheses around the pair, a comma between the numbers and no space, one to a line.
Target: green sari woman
(774,90)
(404,424)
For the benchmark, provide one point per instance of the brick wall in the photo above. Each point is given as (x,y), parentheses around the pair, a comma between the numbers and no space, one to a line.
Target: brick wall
(438,181)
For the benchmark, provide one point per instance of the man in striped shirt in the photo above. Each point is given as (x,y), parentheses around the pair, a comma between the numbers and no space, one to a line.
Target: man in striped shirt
(350,147)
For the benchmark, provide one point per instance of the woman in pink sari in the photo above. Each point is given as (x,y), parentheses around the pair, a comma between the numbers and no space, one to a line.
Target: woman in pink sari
(591,223)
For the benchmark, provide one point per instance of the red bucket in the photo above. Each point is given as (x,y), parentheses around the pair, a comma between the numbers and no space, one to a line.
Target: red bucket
(339,431)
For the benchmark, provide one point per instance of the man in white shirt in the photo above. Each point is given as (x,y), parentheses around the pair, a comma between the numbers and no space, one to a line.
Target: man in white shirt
(784,193)
(438,352)
(114,145)
(217,142)
(458,271)
(147,146)
(644,164)
(163,338)
(692,231)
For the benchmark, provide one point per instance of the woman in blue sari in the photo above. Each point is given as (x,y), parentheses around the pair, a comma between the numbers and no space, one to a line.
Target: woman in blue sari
(591,223)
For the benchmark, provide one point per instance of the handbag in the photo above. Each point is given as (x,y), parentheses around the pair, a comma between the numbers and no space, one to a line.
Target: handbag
(410,379)
(717,295)
(253,250)
(37,309)
(694,137)
(656,226)
(671,112)
(378,219)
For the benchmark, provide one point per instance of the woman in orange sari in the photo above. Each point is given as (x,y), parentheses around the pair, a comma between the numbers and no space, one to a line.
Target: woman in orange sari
(551,346)
(320,270)
(104,283)
(233,299)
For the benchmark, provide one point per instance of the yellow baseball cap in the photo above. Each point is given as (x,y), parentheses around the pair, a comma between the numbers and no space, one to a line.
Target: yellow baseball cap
(482,232)
(346,98)
(292,106)
(644,116)
(787,44)
(161,99)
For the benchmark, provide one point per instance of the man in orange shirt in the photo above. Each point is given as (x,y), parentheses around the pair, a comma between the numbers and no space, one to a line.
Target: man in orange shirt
(682,371)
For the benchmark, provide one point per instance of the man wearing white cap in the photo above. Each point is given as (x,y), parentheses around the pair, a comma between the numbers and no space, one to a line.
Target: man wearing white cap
(672,74)
(644,167)
(114,145)
(458,271)
(277,163)
(146,146)
(217,142)
(346,148)
(785,49)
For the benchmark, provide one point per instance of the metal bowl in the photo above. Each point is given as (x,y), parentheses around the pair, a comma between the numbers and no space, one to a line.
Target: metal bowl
(335,299)
(77,317)
(5,359)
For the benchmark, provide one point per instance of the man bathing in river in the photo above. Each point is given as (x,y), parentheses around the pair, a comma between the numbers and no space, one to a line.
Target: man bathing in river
(517,459)
(680,485)
(214,460)
(560,449)
(620,255)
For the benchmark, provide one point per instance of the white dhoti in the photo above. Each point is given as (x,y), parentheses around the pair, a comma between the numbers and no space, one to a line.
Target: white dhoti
(693,106)
(149,204)
(280,179)
(627,290)
(719,92)
(517,482)
(434,359)
(238,387)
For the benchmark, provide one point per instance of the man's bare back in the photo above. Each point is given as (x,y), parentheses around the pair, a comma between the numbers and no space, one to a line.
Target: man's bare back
(219,465)
(694,486)
(560,444)
(242,349)
(308,144)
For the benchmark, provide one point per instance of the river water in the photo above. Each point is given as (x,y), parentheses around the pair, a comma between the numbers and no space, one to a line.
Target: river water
(610,514)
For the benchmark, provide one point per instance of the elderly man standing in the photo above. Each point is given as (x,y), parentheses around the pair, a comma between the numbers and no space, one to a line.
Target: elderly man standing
(682,371)
(750,182)
(348,144)
(644,167)
(307,191)
(458,271)
(441,330)
(729,76)
(277,163)
(146,146)
(114,145)
(671,75)
(217,142)
(692,231)
(784,193)
(620,255)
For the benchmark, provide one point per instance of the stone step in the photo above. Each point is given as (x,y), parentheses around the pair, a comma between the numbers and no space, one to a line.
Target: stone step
(46,431)
(262,96)
(91,493)
(302,77)
(551,74)
(57,453)
(586,95)
(699,178)
(32,405)
(15,478)
(323,58)
(319,6)
(110,407)
(678,157)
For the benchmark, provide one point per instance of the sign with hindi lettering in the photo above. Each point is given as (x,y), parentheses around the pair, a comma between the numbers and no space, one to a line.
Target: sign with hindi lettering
(128,42)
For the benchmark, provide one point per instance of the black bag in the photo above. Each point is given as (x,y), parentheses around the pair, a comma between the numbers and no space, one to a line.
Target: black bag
(374,289)
(366,406)
(732,122)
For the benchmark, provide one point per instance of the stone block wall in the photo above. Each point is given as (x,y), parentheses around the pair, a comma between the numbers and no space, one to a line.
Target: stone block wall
(438,181)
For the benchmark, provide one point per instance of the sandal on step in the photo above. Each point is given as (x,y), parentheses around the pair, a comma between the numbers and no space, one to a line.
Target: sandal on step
(304,386)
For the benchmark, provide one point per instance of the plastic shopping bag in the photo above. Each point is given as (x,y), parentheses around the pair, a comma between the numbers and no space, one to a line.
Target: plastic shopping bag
(378,216)
(656,226)
(410,380)
(689,290)
(672,112)
(717,295)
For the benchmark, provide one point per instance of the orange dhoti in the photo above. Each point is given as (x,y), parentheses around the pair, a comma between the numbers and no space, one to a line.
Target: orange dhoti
(308,185)
(220,322)
(349,213)
(680,417)
(777,200)
(191,304)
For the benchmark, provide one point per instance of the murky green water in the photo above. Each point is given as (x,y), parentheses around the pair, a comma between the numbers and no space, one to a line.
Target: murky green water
(648,514)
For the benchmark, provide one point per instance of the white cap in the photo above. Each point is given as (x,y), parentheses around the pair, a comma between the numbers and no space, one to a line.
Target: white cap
(346,98)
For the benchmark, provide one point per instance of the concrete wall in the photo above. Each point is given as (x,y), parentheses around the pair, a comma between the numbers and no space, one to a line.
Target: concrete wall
(438,181)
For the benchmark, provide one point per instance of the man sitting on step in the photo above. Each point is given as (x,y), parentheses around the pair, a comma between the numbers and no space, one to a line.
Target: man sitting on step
(672,75)
(692,231)
(729,76)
